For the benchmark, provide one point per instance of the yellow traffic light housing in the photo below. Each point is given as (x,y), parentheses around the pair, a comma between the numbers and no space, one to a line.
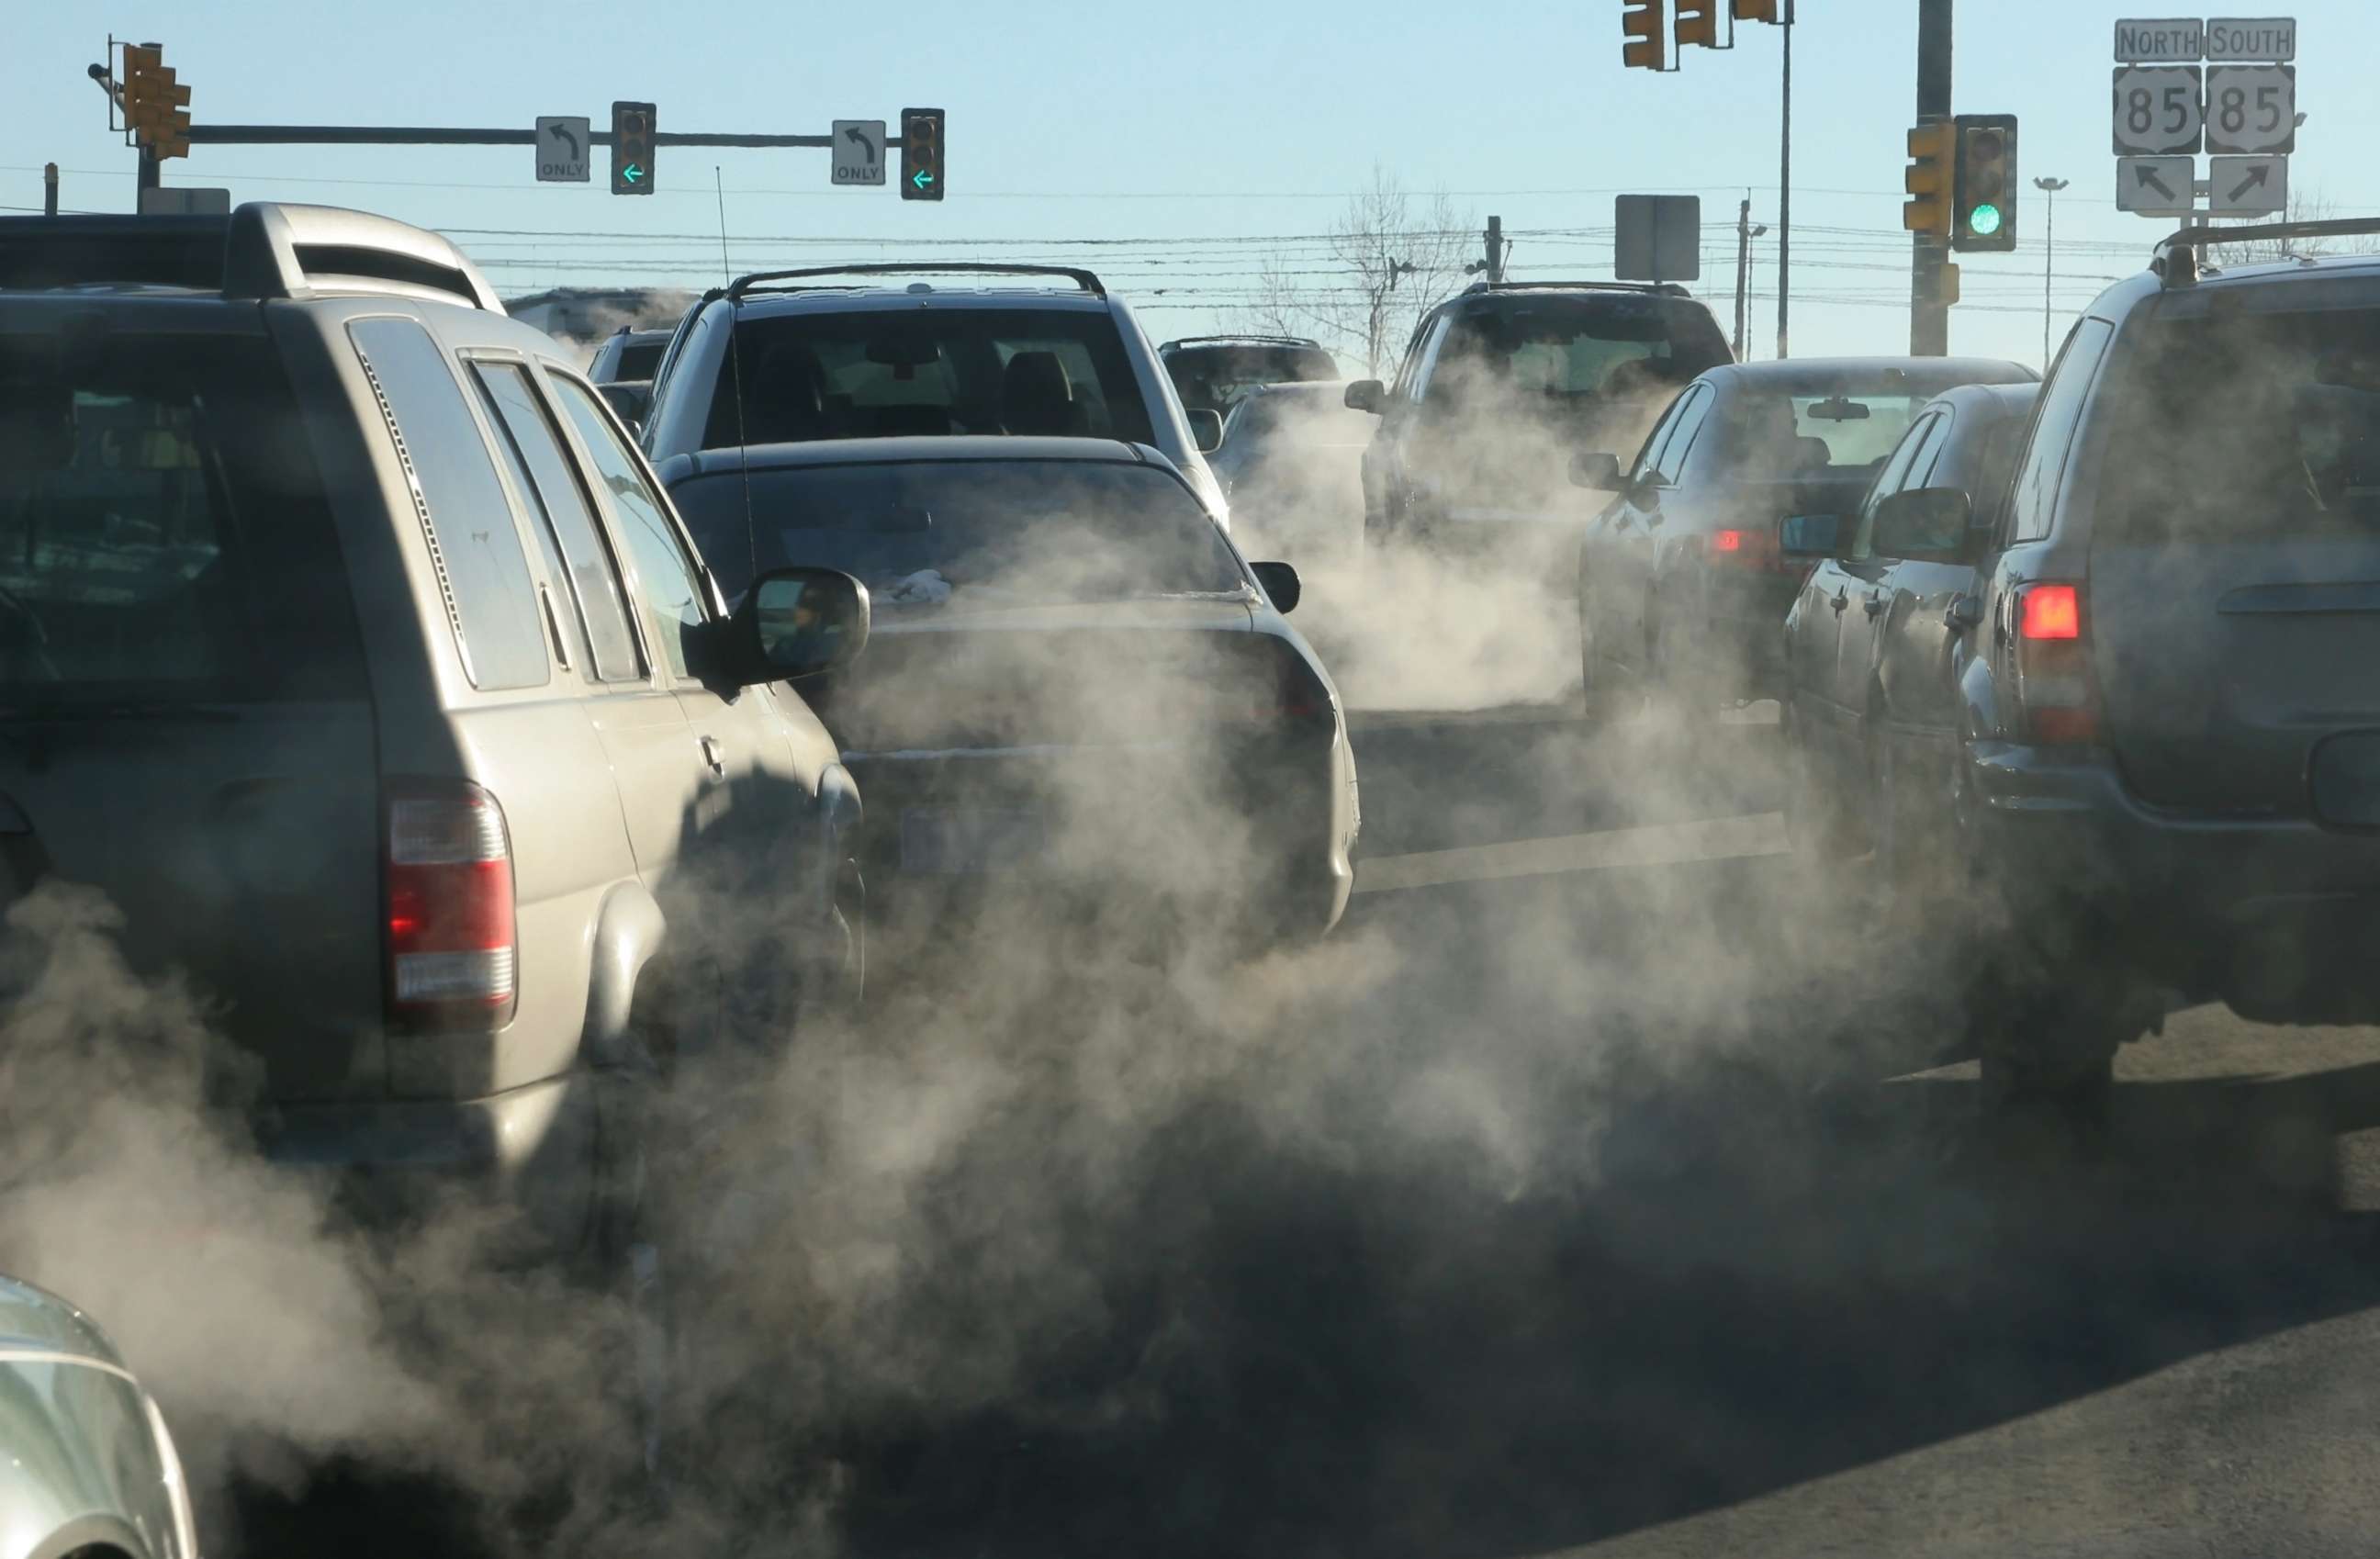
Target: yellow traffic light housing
(1698,23)
(1929,178)
(1947,289)
(1640,21)
(1984,203)
(156,107)
(1755,10)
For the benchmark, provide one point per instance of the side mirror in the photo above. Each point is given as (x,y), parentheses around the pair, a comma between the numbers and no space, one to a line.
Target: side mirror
(632,398)
(795,623)
(1808,535)
(1281,586)
(1932,525)
(1206,430)
(1595,471)
(1365,394)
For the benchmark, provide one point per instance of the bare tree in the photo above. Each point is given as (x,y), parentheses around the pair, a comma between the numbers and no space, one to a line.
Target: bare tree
(1391,256)
(2307,206)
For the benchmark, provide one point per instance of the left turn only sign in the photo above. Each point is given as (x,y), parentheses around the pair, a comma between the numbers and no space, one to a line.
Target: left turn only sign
(562,148)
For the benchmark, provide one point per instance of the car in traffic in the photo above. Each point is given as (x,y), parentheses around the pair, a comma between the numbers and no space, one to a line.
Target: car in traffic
(1214,372)
(349,646)
(2167,770)
(834,351)
(1502,383)
(87,1469)
(1291,465)
(1075,686)
(1682,584)
(628,354)
(1869,708)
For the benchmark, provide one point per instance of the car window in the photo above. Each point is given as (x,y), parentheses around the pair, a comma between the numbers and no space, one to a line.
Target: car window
(1894,477)
(667,580)
(1927,458)
(1426,369)
(1650,452)
(1693,409)
(2033,491)
(551,482)
(165,534)
(1409,372)
(882,373)
(995,534)
(461,502)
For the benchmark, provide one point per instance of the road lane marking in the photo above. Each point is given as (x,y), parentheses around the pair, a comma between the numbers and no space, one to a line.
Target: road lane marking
(1652,844)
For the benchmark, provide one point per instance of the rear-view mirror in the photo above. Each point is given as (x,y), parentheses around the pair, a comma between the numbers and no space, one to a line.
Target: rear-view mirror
(1595,471)
(1930,524)
(1281,586)
(1837,408)
(1365,394)
(797,622)
(1206,430)
(1809,535)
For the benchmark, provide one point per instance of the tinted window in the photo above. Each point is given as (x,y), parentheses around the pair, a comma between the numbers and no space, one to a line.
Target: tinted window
(2033,492)
(638,359)
(1623,344)
(1691,411)
(671,590)
(1935,436)
(885,373)
(589,572)
(164,531)
(1219,376)
(470,519)
(1409,372)
(1657,439)
(2289,447)
(1038,530)
(1920,444)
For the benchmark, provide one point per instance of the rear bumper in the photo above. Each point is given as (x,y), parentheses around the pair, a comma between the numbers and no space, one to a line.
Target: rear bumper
(532,1150)
(2277,916)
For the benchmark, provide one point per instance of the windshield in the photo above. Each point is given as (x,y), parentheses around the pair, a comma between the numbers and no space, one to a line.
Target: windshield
(1216,377)
(879,373)
(967,533)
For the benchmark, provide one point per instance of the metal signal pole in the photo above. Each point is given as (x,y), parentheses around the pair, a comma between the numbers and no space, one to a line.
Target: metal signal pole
(1929,317)
(1785,193)
(2049,187)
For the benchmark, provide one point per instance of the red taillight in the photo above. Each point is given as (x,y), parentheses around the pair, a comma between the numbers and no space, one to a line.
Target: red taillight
(1739,547)
(1728,541)
(2055,687)
(449,869)
(2053,611)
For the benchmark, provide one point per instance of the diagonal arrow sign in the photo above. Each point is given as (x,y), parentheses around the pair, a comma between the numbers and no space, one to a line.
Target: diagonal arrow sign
(561,133)
(2147,180)
(2261,173)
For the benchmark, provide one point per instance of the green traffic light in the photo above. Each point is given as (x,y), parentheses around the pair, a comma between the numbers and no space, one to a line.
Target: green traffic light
(1983,220)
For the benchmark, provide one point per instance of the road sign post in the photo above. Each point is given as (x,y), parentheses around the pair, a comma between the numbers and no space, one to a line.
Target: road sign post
(859,154)
(563,141)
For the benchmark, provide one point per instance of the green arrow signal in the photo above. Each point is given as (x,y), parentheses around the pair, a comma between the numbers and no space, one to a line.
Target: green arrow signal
(921,178)
(633,171)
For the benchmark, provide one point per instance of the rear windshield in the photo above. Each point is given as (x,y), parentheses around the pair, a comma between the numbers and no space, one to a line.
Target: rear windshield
(638,360)
(927,532)
(884,374)
(163,532)
(1840,432)
(2244,426)
(1218,378)
(1620,344)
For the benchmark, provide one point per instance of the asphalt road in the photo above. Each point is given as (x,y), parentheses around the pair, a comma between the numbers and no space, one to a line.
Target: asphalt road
(1624,1208)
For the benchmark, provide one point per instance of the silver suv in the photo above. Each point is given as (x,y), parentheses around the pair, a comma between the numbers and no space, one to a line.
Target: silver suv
(349,646)
(824,359)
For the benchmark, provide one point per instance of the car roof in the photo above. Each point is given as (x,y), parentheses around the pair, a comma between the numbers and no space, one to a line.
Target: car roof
(926,449)
(885,300)
(1820,376)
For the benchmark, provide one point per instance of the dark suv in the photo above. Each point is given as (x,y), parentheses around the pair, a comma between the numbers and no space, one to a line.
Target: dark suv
(2163,659)
(1502,383)
(1215,372)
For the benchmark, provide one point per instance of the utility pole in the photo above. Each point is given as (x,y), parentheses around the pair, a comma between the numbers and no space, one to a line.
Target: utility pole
(1929,316)
(1785,193)
(1495,236)
(2049,187)
(49,189)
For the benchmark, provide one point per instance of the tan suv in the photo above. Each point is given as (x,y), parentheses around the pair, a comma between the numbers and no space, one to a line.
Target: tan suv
(349,645)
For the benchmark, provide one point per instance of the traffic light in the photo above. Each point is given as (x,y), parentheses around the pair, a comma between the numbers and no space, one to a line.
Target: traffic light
(1698,23)
(1945,287)
(1929,178)
(1755,10)
(631,149)
(921,154)
(156,109)
(1985,190)
(1640,21)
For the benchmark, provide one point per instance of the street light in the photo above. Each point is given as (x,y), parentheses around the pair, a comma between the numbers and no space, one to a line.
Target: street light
(2049,187)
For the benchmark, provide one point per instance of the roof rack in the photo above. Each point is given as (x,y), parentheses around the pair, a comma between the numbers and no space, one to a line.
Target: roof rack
(743,286)
(1252,340)
(2176,260)
(262,250)
(1666,289)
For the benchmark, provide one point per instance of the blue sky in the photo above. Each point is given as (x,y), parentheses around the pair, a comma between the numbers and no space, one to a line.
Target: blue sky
(1223,124)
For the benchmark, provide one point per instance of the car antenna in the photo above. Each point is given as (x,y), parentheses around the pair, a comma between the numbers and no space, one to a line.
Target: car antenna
(736,367)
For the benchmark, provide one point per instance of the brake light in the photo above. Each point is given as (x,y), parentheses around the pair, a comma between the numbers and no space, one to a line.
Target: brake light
(1728,541)
(452,957)
(1741,546)
(2055,687)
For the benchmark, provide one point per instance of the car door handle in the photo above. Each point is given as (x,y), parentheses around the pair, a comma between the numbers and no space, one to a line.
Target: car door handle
(1964,611)
(1873,606)
(714,755)
(1839,602)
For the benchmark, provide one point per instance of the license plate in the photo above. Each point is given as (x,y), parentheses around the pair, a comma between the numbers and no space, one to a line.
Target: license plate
(944,842)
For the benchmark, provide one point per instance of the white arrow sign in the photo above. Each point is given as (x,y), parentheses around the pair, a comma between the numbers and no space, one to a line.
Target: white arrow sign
(561,149)
(2247,186)
(859,150)
(2155,185)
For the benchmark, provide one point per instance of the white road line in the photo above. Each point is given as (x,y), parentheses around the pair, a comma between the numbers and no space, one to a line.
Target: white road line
(1652,844)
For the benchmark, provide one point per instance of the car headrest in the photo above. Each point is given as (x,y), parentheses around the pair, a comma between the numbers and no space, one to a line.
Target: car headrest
(1036,397)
